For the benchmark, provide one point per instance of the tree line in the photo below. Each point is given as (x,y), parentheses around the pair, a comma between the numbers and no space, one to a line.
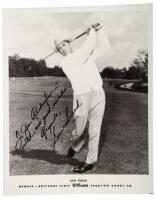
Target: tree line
(28,67)
(138,68)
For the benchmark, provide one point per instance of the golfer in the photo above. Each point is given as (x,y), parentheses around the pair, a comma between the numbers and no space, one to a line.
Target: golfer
(80,68)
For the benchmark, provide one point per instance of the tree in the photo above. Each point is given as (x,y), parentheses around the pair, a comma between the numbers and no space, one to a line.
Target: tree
(107,72)
(111,72)
(57,71)
(31,67)
(139,66)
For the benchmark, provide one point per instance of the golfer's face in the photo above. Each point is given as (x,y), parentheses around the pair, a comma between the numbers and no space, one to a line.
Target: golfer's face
(64,48)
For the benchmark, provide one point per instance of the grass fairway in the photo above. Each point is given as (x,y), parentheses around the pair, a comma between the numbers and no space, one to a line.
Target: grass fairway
(124,134)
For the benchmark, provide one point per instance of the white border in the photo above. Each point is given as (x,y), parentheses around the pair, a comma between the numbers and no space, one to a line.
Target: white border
(69,3)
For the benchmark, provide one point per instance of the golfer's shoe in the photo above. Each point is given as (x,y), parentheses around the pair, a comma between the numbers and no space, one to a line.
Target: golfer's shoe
(83,168)
(71,153)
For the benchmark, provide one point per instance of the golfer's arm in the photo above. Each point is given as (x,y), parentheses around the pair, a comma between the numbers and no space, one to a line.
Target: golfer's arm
(103,46)
(87,48)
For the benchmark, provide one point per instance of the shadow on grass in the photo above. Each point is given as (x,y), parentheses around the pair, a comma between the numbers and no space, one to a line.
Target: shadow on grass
(50,156)
(103,136)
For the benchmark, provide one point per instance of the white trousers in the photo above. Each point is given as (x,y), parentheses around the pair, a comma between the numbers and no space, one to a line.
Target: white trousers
(92,111)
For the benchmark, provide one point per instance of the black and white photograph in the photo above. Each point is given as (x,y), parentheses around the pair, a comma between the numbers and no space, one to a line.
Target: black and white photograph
(78,91)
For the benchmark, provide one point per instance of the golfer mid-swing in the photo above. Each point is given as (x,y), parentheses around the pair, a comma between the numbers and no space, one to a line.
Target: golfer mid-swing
(81,70)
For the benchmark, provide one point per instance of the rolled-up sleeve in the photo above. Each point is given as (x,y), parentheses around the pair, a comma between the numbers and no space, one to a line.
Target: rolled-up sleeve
(87,48)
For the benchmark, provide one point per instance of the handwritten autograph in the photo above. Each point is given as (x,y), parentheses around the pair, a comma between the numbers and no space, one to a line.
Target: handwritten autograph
(28,130)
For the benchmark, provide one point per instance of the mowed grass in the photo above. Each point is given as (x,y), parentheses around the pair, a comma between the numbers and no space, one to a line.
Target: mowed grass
(123,145)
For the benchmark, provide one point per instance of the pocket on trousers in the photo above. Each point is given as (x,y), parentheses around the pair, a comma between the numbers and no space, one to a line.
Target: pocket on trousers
(77,107)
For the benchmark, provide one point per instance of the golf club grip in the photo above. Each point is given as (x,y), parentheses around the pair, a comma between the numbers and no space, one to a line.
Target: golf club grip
(80,35)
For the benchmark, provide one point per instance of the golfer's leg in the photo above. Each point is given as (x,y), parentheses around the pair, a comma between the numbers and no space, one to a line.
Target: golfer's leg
(78,142)
(95,121)
(81,116)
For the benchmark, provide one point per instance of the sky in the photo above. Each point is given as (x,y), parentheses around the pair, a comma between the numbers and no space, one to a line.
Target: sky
(31,33)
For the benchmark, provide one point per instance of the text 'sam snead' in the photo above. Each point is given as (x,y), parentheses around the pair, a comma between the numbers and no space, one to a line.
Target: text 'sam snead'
(78,102)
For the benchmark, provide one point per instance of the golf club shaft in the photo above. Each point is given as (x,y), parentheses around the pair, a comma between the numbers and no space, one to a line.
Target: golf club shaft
(49,55)
(79,36)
